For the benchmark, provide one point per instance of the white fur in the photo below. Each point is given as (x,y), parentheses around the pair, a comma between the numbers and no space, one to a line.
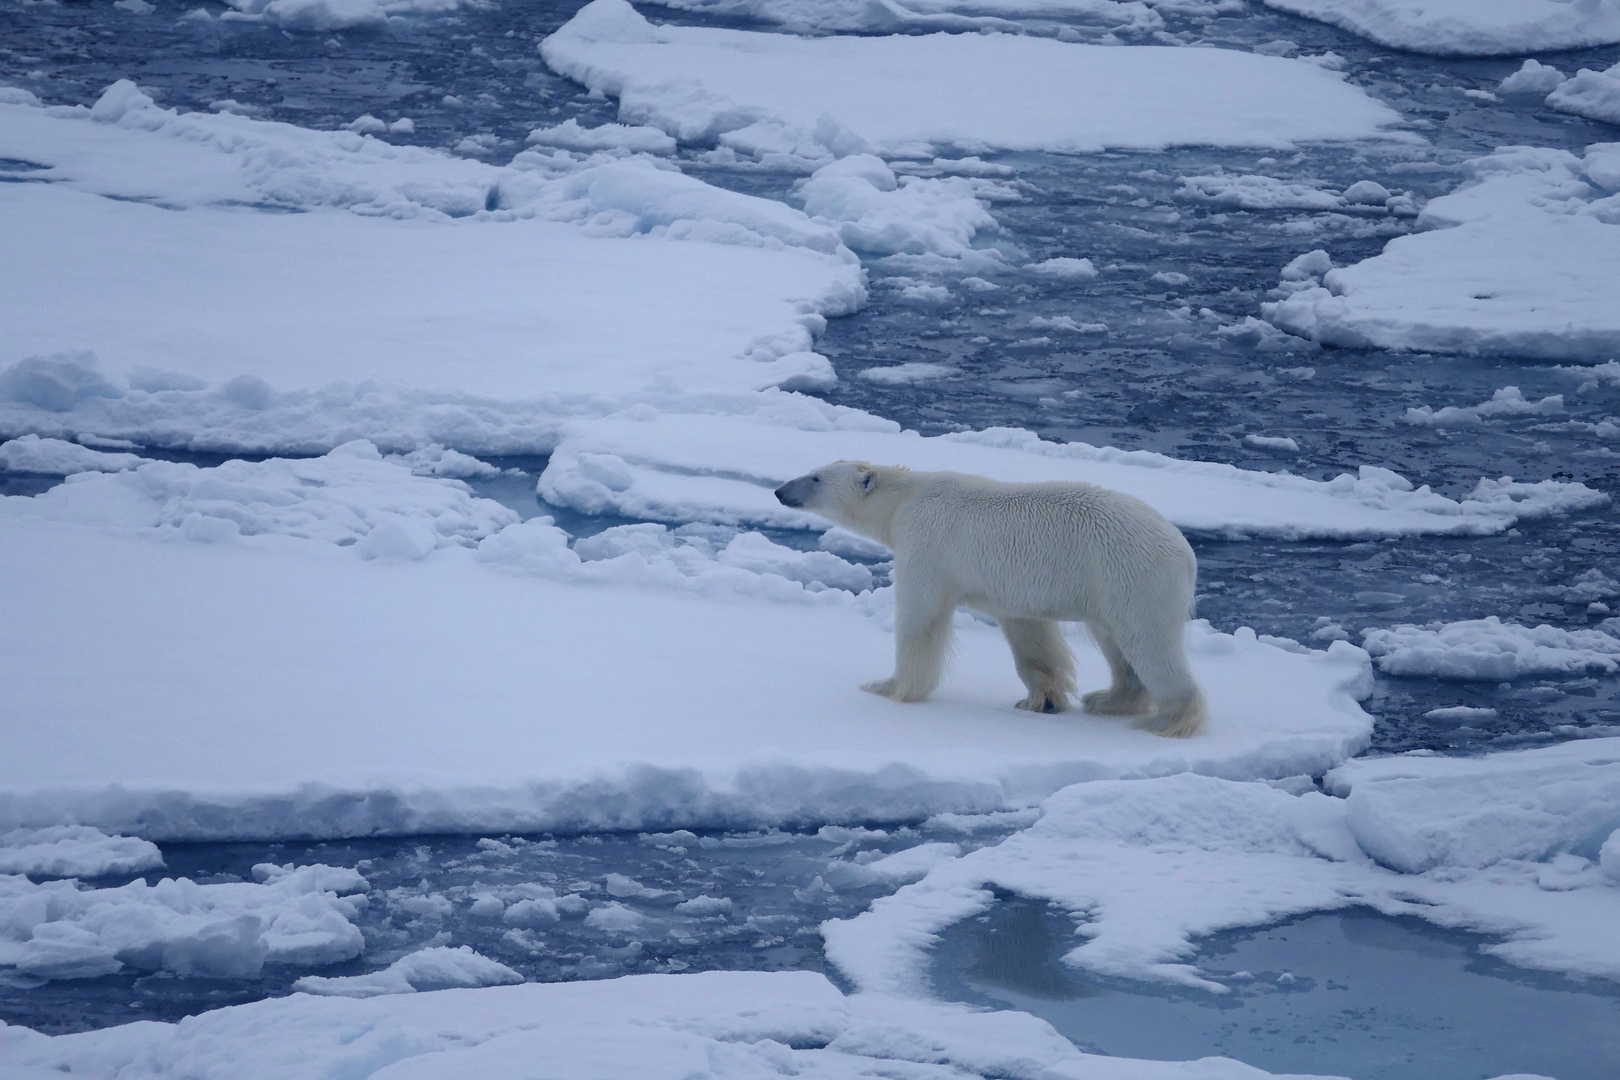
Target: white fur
(1029,556)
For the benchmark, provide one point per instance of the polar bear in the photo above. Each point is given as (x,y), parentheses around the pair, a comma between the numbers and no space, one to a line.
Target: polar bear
(1027,555)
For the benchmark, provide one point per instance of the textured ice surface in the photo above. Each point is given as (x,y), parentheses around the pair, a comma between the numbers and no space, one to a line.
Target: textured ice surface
(1470,27)
(901,95)
(1449,289)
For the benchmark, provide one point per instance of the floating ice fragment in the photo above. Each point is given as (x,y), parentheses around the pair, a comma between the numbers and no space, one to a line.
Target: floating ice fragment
(1460,712)
(1064,268)
(57,382)
(906,374)
(56,457)
(74,851)
(1270,442)
(615,917)
(1490,650)
(1533,77)
(437,968)
(1592,94)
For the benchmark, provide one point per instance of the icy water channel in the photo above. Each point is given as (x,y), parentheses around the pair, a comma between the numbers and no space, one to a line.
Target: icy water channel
(1173,370)
(1353,992)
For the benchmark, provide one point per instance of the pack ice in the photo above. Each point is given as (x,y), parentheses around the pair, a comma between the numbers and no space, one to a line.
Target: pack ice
(1469,27)
(1448,289)
(903,95)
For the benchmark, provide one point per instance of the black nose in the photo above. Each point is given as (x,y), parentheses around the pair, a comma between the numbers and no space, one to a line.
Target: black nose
(784,498)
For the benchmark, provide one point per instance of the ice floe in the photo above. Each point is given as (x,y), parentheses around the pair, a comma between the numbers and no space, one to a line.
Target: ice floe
(1505,845)
(60,930)
(1491,650)
(1449,289)
(323,15)
(74,851)
(56,457)
(435,968)
(669,466)
(725,1025)
(890,16)
(1592,94)
(902,95)
(1469,27)
(414,704)
(1508,401)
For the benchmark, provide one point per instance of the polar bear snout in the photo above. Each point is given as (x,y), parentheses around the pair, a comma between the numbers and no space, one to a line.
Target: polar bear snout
(797,493)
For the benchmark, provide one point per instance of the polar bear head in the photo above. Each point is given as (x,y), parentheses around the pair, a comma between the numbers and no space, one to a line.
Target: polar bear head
(858,496)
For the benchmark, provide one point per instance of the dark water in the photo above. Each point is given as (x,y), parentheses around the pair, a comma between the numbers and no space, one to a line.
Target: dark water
(781,886)
(1350,993)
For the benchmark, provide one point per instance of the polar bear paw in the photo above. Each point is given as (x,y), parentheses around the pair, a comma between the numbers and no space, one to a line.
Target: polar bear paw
(1112,703)
(1044,701)
(893,689)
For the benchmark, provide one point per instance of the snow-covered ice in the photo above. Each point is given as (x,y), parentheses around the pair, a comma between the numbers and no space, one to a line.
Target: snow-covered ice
(722,468)
(412,673)
(60,930)
(889,16)
(1451,289)
(435,968)
(1508,401)
(726,1025)
(1592,94)
(1503,845)
(74,851)
(56,457)
(1491,650)
(903,95)
(1469,27)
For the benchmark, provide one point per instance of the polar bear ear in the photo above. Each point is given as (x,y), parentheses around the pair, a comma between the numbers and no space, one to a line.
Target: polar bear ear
(868,478)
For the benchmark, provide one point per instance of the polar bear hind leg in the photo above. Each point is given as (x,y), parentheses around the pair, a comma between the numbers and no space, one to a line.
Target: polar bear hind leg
(1126,696)
(1044,662)
(1160,662)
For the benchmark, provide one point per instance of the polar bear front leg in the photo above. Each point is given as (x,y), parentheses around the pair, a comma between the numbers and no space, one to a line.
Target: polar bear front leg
(922,636)
(1044,663)
(1126,696)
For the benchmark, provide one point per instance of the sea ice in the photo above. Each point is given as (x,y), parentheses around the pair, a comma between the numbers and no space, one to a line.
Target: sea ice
(1508,401)
(435,968)
(74,851)
(902,95)
(890,16)
(1146,866)
(1469,27)
(55,457)
(671,466)
(879,213)
(731,1025)
(1449,290)
(1490,650)
(58,930)
(429,671)
(1592,94)
(323,15)
(614,137)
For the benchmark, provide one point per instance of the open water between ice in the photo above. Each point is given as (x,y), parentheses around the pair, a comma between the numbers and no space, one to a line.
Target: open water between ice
(1161,360)
(1351,993)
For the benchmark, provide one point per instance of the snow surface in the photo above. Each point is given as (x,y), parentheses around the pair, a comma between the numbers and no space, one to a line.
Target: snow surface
(1491,650)
(74,851)
(59,930)
(403,695)
(1146,866)
(514,308)
(724,1025)
(902,95)
(1450,289)
(1470,27)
